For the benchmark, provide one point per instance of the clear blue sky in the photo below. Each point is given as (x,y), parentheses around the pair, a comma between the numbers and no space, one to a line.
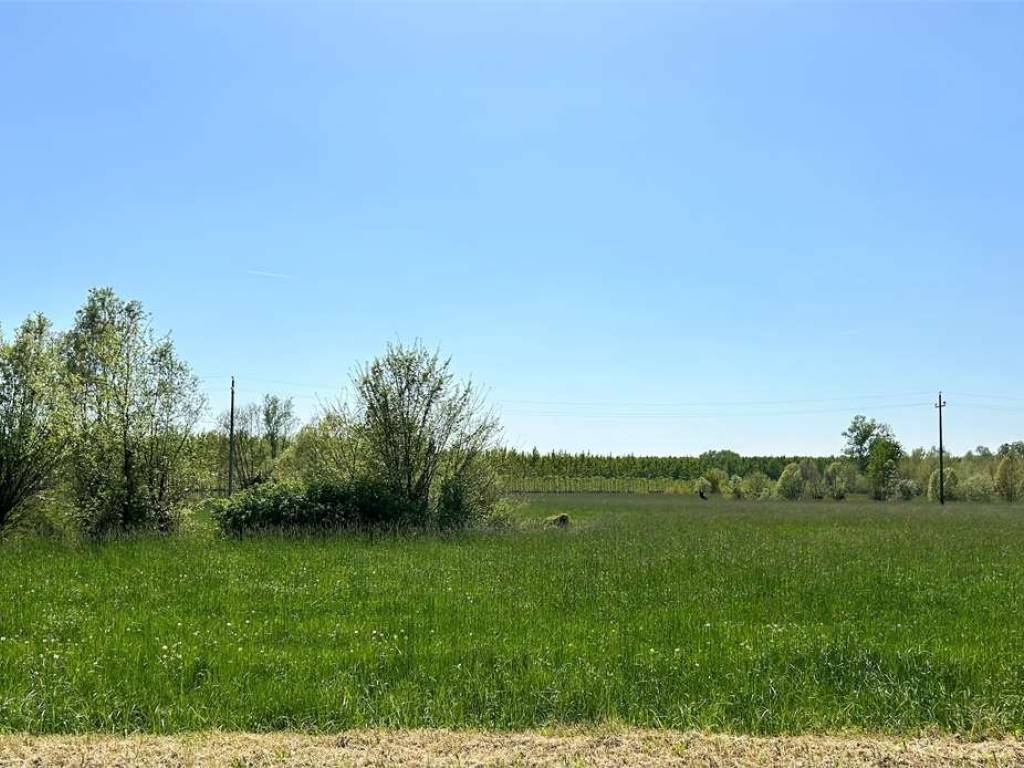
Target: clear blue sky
(645,228)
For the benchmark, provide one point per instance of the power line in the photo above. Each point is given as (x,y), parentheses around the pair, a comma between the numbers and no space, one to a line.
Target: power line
(714,414)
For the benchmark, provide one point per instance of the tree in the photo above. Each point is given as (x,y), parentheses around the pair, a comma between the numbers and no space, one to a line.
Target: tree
(717,478)
(755,483)
(278,416)
(33,416)
(1008,477)
(883,462)
(840,476)
(951,484)
(860,436)
(791,483)
(136,404)
(424,434)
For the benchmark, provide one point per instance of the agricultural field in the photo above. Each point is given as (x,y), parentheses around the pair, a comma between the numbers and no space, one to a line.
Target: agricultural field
(653,611)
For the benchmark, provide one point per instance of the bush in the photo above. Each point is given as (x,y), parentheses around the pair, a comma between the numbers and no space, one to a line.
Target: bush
(717,479)
(1008,478)
(791,483)
(839,476)
(952,481)
(701,485)
(736,487)
(977,488)
(318,506)
(755,484)
(902,489)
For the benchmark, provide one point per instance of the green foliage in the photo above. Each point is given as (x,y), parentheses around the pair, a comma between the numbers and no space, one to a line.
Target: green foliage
(735,488)
(951,485)
(883,463)
(901,489)
(977,488)
(293,506)
(791,483)
(424,435)
(860,437)
(34,415)
(812,479)
(840,476)
(701,486)
(717,479)
(755,484)
(136,406)
(1009,478)
(520,465)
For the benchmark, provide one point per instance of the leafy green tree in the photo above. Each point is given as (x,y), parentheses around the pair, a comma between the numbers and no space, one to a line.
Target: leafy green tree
(840,476)
(136,404)
(278,417)
(717,479)
(860,436)
(755,484)
(791,483)
(977,488)
(1008,477)
(951,484)
(34,433)
(883,461)
(425,435)
(736,487)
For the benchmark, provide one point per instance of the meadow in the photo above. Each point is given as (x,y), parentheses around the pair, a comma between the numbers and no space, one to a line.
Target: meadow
(649,610)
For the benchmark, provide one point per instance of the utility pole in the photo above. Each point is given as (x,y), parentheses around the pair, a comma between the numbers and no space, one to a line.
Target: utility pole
(231,441)
(940,404)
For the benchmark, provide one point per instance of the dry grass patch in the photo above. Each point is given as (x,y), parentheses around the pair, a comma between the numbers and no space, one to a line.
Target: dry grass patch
(385,749)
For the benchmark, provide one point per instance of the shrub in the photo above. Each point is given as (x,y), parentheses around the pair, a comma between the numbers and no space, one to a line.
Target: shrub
(717,479)
(839,476)
(736,487)
(424,435)
(882,465)
(977,488)
(812,479)
(952,481)
(901,489)
(1008,478)
(701,484)
(791,483)
(318,506)
(755,484)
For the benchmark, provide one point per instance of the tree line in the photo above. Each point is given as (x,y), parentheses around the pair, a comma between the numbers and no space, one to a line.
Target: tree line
(98,429)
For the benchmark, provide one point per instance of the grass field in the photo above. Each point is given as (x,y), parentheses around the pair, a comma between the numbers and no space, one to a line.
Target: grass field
(654,611)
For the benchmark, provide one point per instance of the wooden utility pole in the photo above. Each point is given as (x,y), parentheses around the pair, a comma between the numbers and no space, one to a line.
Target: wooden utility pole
(231,441)
(940,404)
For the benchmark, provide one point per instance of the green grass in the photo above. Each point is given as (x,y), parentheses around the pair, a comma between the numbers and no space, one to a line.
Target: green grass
(657,611)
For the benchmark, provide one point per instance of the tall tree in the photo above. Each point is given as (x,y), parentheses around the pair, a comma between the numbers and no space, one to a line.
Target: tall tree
(137,404)
(34,431)
(860,435)
(278,416)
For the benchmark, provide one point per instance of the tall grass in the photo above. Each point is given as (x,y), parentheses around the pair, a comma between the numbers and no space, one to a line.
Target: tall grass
(658,611)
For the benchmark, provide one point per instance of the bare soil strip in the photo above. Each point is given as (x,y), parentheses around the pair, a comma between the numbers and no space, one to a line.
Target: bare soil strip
(385,749)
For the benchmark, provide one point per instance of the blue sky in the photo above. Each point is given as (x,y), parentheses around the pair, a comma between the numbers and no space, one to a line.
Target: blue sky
(644,228)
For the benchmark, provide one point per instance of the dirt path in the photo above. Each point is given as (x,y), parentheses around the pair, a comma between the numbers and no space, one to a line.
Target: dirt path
(443,748)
